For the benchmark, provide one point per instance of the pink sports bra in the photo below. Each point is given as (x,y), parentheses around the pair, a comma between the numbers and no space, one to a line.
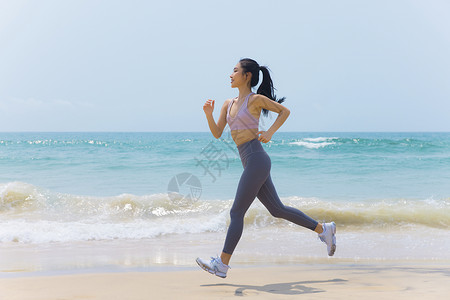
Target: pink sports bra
(243,119)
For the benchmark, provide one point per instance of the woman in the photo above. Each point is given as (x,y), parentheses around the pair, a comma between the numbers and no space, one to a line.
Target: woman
(242,115)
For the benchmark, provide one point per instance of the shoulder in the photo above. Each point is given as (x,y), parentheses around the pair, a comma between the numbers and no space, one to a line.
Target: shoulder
(227,102)
(258,99)
(263,102)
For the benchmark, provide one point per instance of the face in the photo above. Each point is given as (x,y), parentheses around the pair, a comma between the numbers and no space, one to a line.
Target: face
(238,78)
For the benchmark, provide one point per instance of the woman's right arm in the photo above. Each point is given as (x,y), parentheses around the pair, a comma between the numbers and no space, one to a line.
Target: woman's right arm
(216,129)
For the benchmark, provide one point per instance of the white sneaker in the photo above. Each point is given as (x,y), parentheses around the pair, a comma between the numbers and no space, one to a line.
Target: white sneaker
(215,266)
(328,237)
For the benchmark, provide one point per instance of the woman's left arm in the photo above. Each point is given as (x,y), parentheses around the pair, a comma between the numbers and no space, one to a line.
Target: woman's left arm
(282,111)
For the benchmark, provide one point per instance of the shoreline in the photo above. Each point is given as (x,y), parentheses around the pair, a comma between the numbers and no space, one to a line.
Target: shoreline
(401,280)
(271,246)
(330,262)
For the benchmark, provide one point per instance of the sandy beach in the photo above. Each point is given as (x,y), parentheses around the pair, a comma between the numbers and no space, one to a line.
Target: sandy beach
(320,281)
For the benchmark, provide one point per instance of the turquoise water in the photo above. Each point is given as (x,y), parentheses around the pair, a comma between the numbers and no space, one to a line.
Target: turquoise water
(332,166)
(167,190)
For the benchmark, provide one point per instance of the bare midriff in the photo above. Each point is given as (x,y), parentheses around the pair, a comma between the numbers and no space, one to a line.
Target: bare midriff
(241,136)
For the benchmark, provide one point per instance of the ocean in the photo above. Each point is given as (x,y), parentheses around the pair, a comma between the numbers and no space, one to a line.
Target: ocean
(82,200)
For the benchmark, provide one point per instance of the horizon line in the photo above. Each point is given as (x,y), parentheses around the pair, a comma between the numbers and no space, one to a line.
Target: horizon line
(319,131)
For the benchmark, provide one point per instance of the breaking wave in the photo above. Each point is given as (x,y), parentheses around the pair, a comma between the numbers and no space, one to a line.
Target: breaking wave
(30,214)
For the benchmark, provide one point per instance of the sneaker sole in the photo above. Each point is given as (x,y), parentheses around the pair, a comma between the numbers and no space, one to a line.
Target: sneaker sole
(221,275)
(332,250)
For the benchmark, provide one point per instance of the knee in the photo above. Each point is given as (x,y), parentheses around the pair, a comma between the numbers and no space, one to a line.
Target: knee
(277,212)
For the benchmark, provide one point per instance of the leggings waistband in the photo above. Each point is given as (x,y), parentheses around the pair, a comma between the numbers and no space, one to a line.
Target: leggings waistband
(250,147)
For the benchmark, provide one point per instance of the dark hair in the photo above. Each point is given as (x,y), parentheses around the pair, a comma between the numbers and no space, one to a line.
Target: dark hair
(266,88)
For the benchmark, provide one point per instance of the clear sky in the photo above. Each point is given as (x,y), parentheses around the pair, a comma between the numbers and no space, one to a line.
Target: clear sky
(89,65)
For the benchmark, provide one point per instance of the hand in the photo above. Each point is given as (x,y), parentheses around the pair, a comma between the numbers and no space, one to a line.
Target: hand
(208,107)
(265,136)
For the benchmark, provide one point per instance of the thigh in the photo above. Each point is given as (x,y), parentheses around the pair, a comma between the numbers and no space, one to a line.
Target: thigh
(268,195)
(256,171)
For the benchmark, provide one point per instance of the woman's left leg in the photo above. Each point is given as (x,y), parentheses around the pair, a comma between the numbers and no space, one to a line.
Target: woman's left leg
(269,198)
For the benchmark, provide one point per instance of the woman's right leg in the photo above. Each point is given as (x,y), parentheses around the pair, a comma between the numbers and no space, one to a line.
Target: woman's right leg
(256,171)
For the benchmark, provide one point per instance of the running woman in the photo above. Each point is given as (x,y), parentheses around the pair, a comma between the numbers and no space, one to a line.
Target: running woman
(242,115)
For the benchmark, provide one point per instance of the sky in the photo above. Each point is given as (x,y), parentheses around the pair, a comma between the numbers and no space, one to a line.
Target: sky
(91,65)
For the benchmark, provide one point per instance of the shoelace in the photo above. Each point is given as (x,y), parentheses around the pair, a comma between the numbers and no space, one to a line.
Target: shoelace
(218,260)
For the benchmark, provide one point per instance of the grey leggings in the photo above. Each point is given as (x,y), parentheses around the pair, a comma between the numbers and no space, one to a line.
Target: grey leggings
(256,182)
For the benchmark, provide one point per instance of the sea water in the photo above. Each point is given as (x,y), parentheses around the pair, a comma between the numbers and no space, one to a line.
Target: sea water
(161,197)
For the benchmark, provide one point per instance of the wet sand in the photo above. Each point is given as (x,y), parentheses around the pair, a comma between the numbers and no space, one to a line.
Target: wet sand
(318,281)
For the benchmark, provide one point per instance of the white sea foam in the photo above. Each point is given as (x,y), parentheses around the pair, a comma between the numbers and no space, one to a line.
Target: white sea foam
(320,139)
(312,145)
(45,231)
(30,214)
(315,143)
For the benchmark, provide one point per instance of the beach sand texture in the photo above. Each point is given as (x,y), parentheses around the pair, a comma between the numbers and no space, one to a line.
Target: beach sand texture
(323,281)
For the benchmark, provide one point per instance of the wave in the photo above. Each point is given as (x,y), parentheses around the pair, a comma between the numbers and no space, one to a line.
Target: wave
(18,198)
(312,145)
(320,139)
(31,214)
(373,143)
(315,143)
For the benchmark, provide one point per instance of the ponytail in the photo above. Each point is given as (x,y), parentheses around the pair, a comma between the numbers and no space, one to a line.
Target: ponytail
(266,88)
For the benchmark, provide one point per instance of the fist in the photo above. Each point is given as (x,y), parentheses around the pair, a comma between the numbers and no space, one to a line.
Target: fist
(264,136)
(208,107)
